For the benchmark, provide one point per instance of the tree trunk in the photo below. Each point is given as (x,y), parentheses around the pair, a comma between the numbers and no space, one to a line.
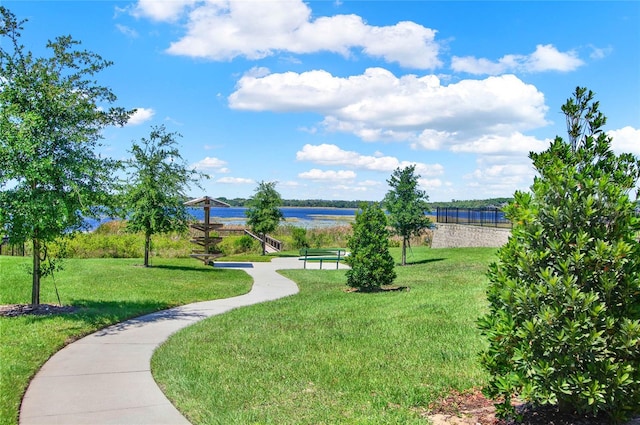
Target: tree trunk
(35,288)
(147,248)
(404,251)
(264,243)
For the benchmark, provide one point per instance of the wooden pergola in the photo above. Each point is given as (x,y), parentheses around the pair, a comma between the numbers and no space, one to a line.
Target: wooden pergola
(207,251)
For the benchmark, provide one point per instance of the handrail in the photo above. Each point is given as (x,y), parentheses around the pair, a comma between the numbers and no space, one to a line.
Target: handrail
(271,242)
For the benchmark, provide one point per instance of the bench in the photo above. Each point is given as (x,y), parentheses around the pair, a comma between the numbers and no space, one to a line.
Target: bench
(322,254)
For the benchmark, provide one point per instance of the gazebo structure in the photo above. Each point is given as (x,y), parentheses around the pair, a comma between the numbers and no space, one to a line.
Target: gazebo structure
(207,251)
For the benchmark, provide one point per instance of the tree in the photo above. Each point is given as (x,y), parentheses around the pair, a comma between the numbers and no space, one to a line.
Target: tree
(155,197)
(52,112)
(406,205)
(264,213)
(371,263)
(564,315)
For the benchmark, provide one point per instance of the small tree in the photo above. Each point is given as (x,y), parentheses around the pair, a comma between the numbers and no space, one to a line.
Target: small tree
(371,263)
(264,213)
(155,197)
(564,315)
(407,206)
(52,113)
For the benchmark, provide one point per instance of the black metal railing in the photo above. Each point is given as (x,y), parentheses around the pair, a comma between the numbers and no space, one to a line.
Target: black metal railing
(490,217)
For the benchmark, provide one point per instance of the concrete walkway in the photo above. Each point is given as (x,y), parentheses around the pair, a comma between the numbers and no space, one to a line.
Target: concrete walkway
(105,378)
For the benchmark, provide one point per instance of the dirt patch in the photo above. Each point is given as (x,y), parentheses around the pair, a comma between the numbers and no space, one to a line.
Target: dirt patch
(463,408)
(15,310)
(473,408)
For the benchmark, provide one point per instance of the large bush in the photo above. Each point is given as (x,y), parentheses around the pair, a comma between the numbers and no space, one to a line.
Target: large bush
(564,316)
(371,263)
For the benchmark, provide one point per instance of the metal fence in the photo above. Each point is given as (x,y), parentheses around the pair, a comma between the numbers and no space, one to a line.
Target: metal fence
(490,217)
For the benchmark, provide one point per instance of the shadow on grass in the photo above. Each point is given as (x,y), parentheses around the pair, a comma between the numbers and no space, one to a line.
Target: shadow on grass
(231,265)
(429,260)
(183,268)
(104,313)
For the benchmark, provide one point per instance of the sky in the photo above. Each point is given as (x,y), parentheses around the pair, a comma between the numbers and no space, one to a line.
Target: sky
(328,98)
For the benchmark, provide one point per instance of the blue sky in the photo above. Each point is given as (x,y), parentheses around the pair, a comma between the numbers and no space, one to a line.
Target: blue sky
(329,97)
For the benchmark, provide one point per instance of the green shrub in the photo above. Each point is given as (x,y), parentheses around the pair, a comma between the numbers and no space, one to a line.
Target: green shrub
(564,318)
(299,238)
(371,263)
(245,244)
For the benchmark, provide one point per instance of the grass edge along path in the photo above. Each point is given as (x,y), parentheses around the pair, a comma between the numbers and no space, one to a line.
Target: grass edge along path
(327,356)
(107,291)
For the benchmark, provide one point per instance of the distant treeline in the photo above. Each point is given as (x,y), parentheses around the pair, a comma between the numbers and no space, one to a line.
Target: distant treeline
(323,203)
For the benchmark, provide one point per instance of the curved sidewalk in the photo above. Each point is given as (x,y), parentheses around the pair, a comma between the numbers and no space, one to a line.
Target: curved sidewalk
(105,378)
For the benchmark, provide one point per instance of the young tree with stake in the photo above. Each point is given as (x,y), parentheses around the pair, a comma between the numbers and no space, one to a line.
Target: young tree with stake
(407,205)
(52,113)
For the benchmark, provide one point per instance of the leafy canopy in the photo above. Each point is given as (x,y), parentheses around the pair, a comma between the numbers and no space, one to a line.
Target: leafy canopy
(564,315)
(263,214)
(52,112)
(159,176)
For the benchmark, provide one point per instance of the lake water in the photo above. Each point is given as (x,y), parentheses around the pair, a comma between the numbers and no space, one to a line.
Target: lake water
(308,218)
(311,218)
(296,216)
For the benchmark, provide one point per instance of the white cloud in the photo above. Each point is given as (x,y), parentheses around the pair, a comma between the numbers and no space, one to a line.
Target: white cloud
(599,52)
(428,184)
(141,115)
(211,164)
(370,183)
(548,58)
(544,58)
(129,32)
(224,29)
(332,155)
(500,176)
(515,144)
(328,175)
(234,180)
(170,10)
(625,140)
(378,106)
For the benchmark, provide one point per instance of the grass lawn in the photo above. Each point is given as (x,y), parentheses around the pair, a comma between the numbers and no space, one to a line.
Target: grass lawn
(106,291)
(325,356)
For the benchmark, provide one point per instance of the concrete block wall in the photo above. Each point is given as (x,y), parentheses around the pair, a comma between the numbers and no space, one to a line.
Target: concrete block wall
(448,235)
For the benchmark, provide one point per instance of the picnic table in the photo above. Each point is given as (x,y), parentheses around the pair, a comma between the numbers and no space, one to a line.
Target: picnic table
(322,255)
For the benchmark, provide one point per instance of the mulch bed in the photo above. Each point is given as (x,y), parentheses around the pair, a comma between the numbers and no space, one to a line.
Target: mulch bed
(473,408)
(15,310)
